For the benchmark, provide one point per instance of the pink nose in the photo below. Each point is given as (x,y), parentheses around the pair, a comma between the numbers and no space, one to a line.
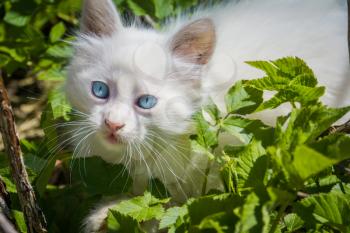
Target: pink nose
(114,126)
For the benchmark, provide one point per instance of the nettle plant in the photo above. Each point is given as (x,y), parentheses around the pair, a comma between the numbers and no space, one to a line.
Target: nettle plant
(282,179)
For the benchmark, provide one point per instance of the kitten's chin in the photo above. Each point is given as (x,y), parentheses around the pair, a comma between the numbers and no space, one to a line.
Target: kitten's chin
(113,139)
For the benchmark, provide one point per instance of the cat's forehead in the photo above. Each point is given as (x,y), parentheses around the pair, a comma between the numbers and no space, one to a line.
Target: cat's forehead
(138,52)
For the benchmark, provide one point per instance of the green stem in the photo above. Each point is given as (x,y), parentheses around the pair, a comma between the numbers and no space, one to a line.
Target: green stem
(209,164)
(207,170)
(279,216)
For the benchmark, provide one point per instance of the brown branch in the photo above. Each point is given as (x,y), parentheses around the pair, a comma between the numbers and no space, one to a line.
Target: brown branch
(344,128)
(34,217)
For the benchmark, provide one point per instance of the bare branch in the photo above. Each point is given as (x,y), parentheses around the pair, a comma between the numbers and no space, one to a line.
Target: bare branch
(344,128)
(34,217)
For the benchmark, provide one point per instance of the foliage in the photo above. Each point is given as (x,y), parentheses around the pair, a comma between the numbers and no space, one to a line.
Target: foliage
(285,178)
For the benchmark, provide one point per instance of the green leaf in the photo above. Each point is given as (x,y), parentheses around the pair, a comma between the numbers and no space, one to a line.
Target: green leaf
(173,216)
(292,67)
(141,8)
(216,222)
(269,83)
(251,165)
(308,123)
(242,99)
(332,209)
(4,60)
(269,68)
(293,222)
(295,93)
(293,80)
(308,162)
(246,214)
(119,223)
(335,146)
(206,133)
(142,208)
(59,104)
(311,160)
(60,51)
(16,19)
(202,207)
(245,129)
(101,177)
(52,74)
(163,8)
(57,32)
(20,222)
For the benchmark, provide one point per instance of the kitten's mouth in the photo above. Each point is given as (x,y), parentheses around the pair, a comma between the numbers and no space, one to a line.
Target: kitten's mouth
(113,138)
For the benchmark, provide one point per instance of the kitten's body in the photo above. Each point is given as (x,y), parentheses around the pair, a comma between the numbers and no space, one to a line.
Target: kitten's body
(134,60)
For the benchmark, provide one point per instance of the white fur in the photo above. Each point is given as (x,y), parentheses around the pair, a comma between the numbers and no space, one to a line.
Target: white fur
(135,61)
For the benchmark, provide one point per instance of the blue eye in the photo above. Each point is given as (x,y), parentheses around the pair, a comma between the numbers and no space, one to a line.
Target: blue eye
(100,90)
(147,101)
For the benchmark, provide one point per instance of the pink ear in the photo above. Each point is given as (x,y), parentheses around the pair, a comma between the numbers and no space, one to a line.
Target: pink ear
(195,42)
(100,17)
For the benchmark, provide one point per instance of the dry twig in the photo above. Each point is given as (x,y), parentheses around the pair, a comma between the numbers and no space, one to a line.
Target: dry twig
(34,217)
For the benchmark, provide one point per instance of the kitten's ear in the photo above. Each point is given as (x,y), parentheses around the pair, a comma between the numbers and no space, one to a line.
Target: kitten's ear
(100,17)
(195,42)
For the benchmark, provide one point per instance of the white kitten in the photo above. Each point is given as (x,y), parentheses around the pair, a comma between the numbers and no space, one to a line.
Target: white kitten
(139,87)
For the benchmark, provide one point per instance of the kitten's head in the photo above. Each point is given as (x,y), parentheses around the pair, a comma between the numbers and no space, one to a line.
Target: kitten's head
(132,83)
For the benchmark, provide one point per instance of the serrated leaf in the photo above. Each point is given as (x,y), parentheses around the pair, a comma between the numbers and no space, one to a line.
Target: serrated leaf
(269,83)
(296,93)
(269,68)
(293,80)
(242,99)
(173,216)
(246,129)
(293,222)
(202,207)
(251,165)
(332,209)
(142,208)
(246,214)
(119,223)
(292,67)
(308,123)
(206,133)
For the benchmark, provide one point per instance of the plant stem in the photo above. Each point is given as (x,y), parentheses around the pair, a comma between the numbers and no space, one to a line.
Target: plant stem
(207,171)
(279,216)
